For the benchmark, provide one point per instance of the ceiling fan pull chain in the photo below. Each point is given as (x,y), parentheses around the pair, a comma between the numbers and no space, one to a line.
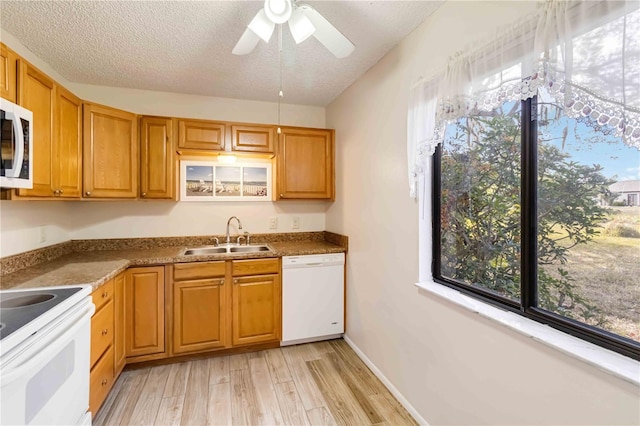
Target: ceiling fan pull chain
(280,93)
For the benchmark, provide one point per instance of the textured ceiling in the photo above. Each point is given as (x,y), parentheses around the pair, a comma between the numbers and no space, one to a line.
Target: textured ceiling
(185,46)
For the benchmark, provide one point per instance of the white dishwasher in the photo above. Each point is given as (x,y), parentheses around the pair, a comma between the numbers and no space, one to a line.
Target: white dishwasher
(312,297)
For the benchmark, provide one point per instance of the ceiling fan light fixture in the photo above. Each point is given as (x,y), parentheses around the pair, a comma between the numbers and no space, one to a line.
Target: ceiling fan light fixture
(262,26)
(300,26)
(278,11)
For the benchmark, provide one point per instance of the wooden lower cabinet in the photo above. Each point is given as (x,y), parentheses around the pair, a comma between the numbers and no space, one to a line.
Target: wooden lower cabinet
(102,373)
(199,312)
(257,313)
(119,323)
(144,313)
(101,381)
(223,304)
(256,309)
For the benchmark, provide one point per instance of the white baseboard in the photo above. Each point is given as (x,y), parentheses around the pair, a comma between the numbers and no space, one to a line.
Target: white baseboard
(395,392)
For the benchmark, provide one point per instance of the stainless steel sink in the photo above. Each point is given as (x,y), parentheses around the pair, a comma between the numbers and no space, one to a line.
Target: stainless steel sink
(248,249)
(227,249)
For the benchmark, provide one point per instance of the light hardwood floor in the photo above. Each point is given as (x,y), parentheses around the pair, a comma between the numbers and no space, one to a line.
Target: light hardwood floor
(322,383)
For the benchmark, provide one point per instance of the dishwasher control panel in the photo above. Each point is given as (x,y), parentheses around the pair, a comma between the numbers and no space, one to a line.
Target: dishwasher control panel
(313,260)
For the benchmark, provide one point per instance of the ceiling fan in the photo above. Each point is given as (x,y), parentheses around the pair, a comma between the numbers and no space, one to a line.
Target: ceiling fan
(304,21)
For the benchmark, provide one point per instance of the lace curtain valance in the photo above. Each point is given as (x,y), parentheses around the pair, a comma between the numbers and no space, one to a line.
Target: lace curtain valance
(585,53)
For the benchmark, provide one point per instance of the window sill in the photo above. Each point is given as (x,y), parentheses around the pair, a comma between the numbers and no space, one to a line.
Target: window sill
(604,359)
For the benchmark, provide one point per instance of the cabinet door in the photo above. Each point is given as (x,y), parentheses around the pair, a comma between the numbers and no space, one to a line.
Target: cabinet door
(256,309)
(253,138)
(37,94)
(67,145)
(119,329)
(8,74)
(156,158)
(305,164)
(144,314)
(110,153)
(201,135)
(199,311)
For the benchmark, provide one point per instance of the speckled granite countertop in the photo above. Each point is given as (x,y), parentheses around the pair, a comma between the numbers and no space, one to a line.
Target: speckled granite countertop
(99,266)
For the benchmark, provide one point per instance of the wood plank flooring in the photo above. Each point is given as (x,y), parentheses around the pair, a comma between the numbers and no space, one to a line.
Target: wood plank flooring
(322,383)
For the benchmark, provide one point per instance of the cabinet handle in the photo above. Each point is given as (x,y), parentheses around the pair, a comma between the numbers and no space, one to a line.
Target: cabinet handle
(104,382)
(105,332)
(144,194)
(88,193)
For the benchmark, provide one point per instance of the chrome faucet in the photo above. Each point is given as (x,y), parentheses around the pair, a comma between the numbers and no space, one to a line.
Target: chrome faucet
(228,223)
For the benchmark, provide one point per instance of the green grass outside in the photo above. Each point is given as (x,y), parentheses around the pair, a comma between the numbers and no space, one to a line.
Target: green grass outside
(606,271)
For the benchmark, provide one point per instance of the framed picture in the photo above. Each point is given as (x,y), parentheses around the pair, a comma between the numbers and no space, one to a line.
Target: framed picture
(213,181)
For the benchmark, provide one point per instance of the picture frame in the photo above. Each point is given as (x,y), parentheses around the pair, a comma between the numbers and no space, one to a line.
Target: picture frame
(215,181)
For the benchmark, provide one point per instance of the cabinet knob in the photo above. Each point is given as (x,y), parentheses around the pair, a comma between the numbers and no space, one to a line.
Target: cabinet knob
(144,194)
(60,191)
(105,332)
(88,193)
(281,195)
(235,281)
(57,192)
(104,382)
(104,295)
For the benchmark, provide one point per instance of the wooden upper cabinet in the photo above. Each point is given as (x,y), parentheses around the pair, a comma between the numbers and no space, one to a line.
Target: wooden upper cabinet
(201,135)
(144,311)
(156,158)
(110,167)
(8,74)
(258,139)
(67,146)
(305,168)
(37,93)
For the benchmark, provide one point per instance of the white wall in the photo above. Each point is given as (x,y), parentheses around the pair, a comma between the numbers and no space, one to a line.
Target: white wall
(453,366)
(22,224)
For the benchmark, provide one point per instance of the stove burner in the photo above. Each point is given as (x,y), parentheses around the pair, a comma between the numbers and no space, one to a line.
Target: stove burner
(18,308)
(30,300)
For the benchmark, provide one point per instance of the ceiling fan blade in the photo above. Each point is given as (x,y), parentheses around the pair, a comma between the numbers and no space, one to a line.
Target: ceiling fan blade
(327,34)
(247,43)
(262,26)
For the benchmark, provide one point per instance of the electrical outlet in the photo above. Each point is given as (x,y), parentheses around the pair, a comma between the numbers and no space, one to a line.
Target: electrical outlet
(295,222)
(273,222)
(43,234)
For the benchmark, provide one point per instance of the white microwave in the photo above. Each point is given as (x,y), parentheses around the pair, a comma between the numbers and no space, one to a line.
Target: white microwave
(16,146)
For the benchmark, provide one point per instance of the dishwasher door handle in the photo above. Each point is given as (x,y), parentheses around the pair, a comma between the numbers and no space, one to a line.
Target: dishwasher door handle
(313,264)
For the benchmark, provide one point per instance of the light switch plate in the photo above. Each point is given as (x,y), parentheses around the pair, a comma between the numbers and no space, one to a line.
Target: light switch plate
(273,222)
(295,222)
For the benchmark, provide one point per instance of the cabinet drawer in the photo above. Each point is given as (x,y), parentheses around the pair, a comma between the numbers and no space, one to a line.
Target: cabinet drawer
(103,295)
(101,381)
(255,267)
(101,331)
(196,271)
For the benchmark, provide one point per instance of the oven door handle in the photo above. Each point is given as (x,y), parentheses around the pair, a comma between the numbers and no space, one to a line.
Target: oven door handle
(18,155)
(43,350)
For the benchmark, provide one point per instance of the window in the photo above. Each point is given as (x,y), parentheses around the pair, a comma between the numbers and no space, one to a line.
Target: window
(526,216)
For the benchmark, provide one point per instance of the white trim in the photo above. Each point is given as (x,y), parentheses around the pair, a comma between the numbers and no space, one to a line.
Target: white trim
(395,392)
(608,361)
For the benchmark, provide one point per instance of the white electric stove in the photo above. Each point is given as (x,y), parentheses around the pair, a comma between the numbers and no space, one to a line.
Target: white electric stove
(44,355)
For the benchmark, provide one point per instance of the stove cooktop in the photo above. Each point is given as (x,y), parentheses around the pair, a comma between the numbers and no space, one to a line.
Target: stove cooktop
(18,308)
